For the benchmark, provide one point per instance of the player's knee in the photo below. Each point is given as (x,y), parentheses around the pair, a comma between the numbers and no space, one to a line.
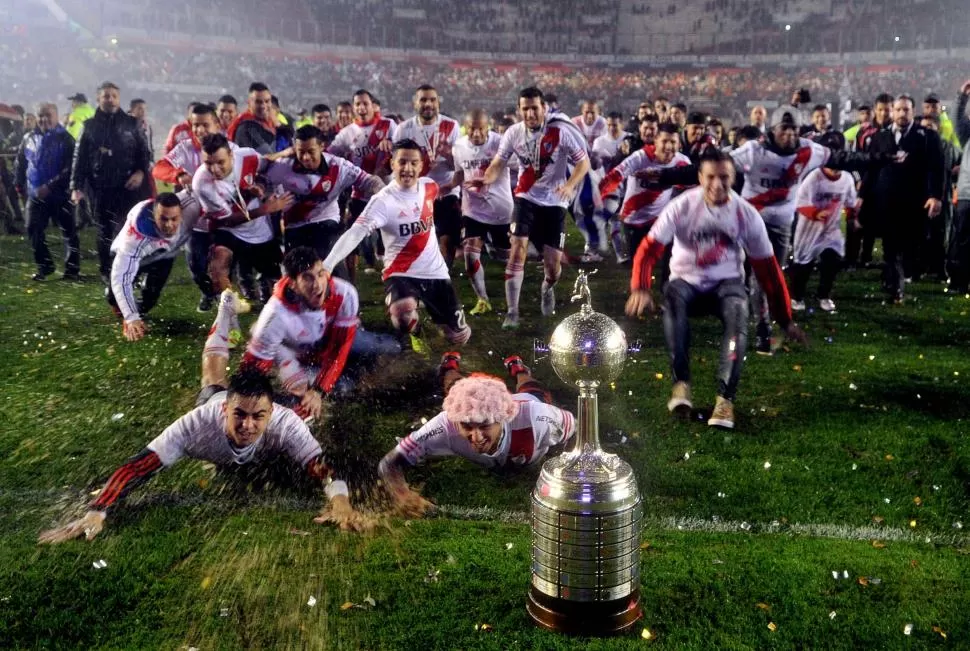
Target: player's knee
(404,314)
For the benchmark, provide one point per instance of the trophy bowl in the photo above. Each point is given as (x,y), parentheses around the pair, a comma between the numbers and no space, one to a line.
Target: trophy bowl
(588,348)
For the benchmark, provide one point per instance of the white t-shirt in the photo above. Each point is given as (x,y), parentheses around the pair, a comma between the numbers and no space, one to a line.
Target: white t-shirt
(494,205)
(819,192)
(439,138)
(710,241)
(201,434)
(316,192)
(544,156)
(643,200)
(770,180)
(220,198)
(524,440)
(405,219)
(606,146)
(359,144)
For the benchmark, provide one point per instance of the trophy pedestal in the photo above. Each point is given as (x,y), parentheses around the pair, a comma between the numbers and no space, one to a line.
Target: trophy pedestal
(578,618)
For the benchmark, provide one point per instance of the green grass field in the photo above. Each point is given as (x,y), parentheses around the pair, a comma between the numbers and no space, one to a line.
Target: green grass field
(850,457)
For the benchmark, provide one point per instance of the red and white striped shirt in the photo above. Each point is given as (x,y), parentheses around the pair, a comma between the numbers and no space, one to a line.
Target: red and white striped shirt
(524,440)
(544,156)
(405,219)
(178,133)
(644,200)
(316,192)
(358,143)
(221,198)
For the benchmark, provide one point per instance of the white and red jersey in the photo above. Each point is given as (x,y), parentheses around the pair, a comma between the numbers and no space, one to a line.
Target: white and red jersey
(770,180)
(643,200)
(358,143)
(292,337)
(405,219)
(710,242)
(201,434)
(544,156)
(437,141)
(184,158)
(820,201)
(606,147)
(221,198)
(316,192)
(591,131)
(493,205)
(524,440)
(178,133)
(139,243)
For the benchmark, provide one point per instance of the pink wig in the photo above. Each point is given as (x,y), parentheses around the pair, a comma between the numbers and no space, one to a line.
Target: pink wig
(480,398)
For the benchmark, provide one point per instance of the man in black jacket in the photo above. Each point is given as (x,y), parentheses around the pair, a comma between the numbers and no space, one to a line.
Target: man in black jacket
(906,194)
(112,159)
(43,175)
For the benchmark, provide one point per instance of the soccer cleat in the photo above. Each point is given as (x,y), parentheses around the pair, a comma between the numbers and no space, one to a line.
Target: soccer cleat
(590,256)
(622,259)
(450,361)
(205,303)
(418,345)
(763,346)
(679,402)
(481,307)
(514,365)
(723,415)
(549,302)
(40,276)
(797,306)
(827,304)
(511,321)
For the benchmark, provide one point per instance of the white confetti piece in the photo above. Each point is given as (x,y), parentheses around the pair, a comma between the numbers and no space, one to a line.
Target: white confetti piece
(100,564)
(224,612)
(117,416)
(855,466)
(767,465)
(370,601)
(853,386)
(721,495)
(312,601)
(832,615)
(509,545)
(908,629)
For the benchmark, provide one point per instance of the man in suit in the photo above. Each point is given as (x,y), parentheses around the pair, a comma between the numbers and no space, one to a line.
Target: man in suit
(907,193)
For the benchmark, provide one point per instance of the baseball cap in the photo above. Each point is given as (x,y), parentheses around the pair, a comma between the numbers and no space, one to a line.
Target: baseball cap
(932,98)
(78,97)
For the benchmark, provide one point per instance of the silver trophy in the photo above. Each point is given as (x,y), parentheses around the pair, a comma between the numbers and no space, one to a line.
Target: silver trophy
(586,509)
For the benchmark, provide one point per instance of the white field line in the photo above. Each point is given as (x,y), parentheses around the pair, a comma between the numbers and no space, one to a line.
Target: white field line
(58,501)
(837,531)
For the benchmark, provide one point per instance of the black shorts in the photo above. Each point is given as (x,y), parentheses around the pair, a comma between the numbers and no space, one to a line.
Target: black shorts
(437,295)
(319,236)
(497,234)
(543,225)
(264,257)
(447,218)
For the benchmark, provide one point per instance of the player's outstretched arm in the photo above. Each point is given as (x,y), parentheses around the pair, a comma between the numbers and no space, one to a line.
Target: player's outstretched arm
(134,472)
(407,502)
(338,510)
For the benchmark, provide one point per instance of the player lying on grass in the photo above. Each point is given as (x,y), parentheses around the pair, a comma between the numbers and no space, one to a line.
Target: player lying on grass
(238,426)
(483,422)
(308,332)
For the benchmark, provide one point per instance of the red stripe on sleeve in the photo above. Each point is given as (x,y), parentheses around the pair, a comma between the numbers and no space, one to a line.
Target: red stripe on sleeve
(647,255)
(772,281)
(137,470)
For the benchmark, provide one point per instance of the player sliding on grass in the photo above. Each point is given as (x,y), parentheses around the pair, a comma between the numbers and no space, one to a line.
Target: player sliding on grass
(483,422)
(237,426)
(307,331)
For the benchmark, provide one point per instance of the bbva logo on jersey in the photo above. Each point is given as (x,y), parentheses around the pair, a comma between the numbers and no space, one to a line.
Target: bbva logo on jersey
(414,228)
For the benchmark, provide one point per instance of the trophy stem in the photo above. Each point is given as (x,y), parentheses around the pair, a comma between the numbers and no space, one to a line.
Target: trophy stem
(587,418)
